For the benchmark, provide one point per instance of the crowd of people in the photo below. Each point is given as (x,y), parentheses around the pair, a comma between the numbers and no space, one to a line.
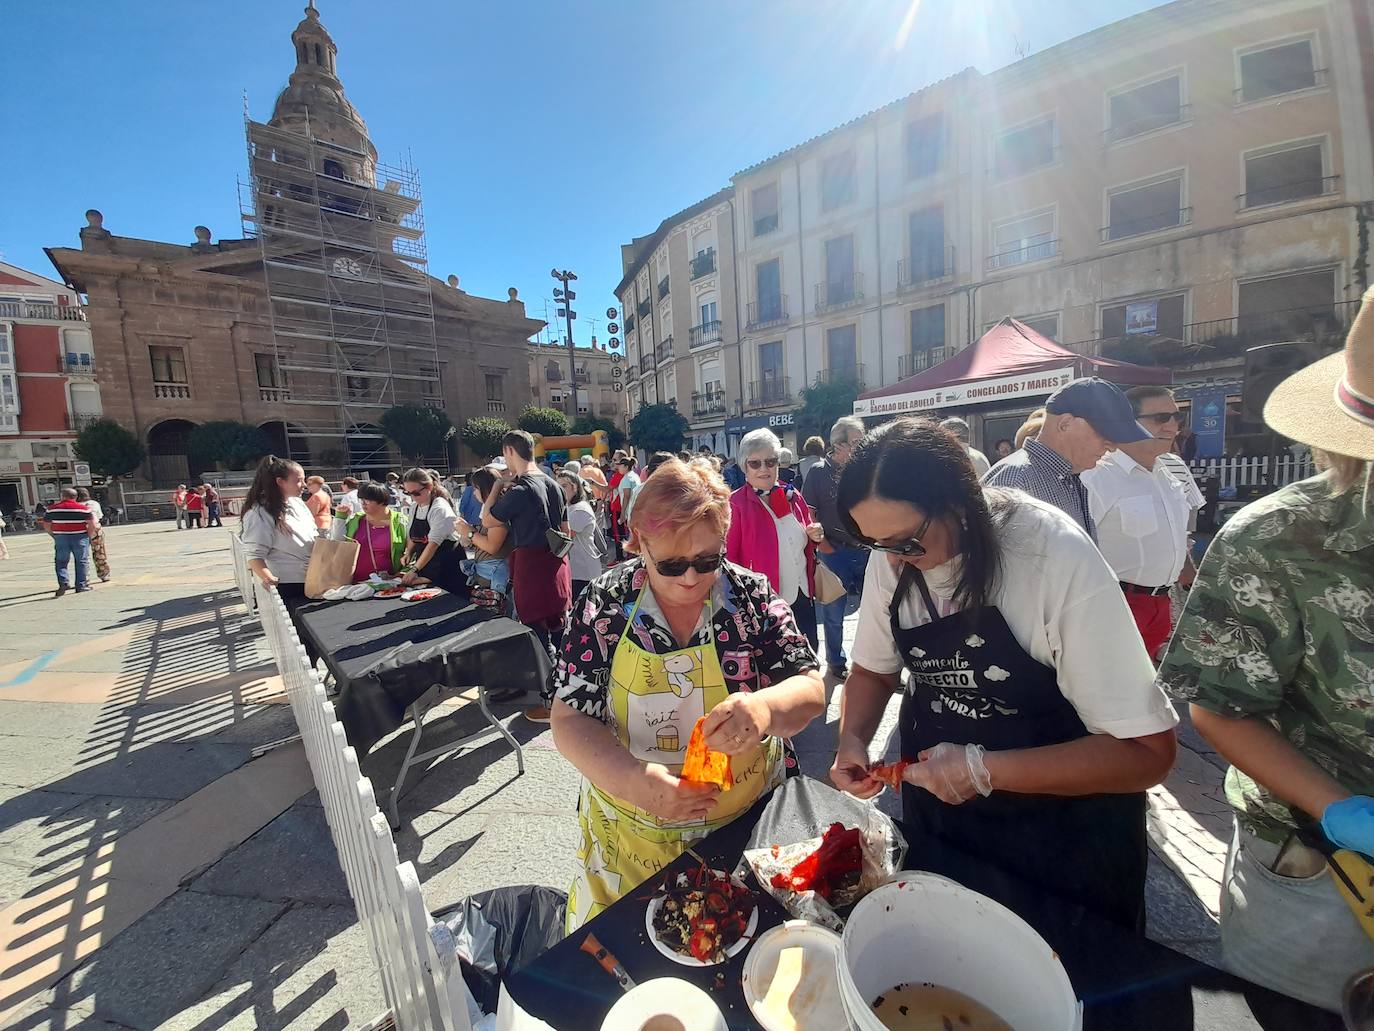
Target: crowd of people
(1022,605)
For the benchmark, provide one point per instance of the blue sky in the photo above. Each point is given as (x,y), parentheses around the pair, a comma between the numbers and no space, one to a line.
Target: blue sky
(546,134)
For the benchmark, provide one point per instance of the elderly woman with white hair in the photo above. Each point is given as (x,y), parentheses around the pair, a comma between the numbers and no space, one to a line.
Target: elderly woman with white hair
(771,529)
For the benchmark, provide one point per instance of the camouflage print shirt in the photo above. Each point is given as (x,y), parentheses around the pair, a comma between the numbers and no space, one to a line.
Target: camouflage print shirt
(1280,624)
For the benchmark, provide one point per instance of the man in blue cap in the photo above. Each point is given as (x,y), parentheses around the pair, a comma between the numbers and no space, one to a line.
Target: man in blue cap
(1083,421)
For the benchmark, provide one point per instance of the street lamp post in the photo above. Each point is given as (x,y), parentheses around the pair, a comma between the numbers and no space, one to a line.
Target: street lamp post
(566,297)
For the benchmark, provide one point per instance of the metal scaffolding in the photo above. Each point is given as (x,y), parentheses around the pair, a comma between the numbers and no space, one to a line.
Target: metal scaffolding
(348,285)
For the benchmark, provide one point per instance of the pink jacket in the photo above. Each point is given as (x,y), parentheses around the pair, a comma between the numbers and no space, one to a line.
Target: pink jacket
(753,538)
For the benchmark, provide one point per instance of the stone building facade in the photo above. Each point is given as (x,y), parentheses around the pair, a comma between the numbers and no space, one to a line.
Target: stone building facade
(598,373)
(184,332)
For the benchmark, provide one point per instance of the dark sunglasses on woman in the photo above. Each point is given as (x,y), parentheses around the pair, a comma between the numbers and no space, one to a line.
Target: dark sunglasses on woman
(416,493)
(675,567)
(758,463)
(912,548)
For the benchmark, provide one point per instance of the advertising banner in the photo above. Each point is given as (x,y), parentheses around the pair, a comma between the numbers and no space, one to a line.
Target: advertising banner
(964,395)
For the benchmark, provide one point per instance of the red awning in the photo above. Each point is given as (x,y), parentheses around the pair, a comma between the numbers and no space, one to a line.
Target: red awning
(1017,359)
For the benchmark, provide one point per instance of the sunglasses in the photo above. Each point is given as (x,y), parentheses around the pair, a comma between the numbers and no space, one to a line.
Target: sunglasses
(416,493)
(1160,418)
(912,548)
(675,567)
(759,463)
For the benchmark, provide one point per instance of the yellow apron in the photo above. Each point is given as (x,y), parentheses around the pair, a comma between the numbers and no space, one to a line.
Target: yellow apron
(654,702)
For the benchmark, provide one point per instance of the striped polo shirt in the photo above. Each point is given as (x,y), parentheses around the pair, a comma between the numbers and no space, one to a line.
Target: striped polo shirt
(68,517)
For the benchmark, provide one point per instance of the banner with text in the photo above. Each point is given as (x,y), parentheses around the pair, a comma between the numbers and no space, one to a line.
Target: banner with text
(962,395)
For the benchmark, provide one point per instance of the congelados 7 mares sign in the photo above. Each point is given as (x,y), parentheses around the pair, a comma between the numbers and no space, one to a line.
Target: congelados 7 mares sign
(963,395)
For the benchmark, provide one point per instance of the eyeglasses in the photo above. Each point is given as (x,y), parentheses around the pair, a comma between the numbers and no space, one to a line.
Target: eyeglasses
(1160,418)
(912,548)
(416,493)
(675,567)
(758,463)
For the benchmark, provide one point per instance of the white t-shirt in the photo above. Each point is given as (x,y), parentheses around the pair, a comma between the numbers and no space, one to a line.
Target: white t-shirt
(443,522)
(1063,605)
(350,498)
(628,487)
(583,562)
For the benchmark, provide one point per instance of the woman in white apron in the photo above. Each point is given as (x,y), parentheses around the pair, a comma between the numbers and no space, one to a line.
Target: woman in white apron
(654,644)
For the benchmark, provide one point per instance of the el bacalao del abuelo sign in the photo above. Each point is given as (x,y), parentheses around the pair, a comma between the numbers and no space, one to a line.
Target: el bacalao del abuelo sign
(964,395)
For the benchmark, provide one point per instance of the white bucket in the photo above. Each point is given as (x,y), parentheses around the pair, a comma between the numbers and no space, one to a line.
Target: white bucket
(921,928)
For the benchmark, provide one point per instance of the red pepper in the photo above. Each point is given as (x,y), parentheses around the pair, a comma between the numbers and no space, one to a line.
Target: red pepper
(702,945)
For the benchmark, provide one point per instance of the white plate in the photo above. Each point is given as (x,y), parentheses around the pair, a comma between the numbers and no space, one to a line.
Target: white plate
(820,1006)
(656,903)
(668,996)
(410,594)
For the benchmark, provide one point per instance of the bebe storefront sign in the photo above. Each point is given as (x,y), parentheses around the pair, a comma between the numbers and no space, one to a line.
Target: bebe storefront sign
(963,395)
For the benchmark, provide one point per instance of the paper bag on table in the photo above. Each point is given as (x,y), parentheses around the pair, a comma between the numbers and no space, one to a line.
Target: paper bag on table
(331,565)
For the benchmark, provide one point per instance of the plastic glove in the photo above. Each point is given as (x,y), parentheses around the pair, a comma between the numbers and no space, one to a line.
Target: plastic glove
(1349,823)
(952,773)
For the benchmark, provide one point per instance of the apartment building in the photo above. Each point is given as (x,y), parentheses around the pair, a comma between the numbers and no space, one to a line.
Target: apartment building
(1169,189)
(601,376)
(48,390)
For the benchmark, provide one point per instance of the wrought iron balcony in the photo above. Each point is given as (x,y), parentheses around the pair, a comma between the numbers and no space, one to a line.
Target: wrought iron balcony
(50,312)
(646,363)
(642,308)
(708,402)
(840,293)
(1023,255)
(1121,229)
(1299,189)
(933,266)
(706,333)
(630,323)
(765,224)
(770,311)
(1259,89)
(1142,124)
(920,360)
(772,390)
(76,422)
(79,363)
(663,288)
(704,263)
(665,349)
(843,374)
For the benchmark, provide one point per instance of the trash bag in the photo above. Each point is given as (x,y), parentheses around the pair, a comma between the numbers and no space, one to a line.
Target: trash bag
(800,811)
(497,932)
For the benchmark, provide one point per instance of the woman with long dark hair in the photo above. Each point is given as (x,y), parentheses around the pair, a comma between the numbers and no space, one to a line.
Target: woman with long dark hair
(1031,717)
(278,531)
(432,538)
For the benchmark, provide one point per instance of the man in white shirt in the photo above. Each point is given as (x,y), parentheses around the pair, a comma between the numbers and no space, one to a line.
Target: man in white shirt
(628,488)
(959,428)
(1142,510)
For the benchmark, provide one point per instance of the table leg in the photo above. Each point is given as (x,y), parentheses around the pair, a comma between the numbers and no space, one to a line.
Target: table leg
(510,739)
(393,806)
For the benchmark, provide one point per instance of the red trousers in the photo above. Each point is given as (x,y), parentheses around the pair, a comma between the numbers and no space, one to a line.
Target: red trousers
(1154,620)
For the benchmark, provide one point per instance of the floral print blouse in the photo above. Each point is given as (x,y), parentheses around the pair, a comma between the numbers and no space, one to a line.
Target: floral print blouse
(1280,625)
(756,637)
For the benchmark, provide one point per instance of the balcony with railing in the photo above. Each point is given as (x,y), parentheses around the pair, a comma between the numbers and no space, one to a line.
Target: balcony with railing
(706,333)
(1285,193)
(1123,228)
(47,312)
(1220,339)
(172,391)
(665,349)
(843,292)
(582,375)
(920,270)
(273,395)
(663,288)
(772,390)
(630,323)
(646,363)
(1023,255)
(1144,123)
(769,311)
(704,263)
(77,422)
(495,407)
(642,308)
(79,363)
(765,224)
(919,361)
(1266,88)
(708,402)
(843,374)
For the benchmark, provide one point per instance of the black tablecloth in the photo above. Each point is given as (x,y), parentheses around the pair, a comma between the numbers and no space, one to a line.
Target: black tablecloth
(386,653)
(1125,980)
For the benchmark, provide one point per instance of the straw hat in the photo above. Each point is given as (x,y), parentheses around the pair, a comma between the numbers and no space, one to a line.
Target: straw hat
(1330,404)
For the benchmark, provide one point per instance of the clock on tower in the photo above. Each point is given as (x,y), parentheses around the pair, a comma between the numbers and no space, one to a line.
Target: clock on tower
(347,267)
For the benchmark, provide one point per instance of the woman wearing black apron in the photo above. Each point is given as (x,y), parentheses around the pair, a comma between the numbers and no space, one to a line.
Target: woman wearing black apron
(430,541)
(1029,700)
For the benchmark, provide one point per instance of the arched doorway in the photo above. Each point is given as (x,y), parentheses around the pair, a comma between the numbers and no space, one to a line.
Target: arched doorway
(288,440)
(168,450)
(367,451)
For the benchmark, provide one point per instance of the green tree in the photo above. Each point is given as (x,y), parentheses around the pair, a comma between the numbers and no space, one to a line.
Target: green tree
(483,435)
(109,449)
(418,431)
(823,403)
(659,427)
(226,444)
(547,422)
(585,424)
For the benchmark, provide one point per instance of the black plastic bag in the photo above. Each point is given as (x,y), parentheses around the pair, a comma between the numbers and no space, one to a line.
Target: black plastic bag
(497,932)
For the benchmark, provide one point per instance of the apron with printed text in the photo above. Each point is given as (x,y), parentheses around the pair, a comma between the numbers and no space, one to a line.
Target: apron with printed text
(970,682)
(653,702)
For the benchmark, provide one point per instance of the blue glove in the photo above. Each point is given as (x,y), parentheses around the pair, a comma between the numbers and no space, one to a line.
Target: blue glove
(1350,824)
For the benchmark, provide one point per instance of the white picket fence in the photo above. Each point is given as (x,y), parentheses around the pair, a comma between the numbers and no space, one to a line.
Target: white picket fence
(415,957)
(243,577)
(1254,471)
